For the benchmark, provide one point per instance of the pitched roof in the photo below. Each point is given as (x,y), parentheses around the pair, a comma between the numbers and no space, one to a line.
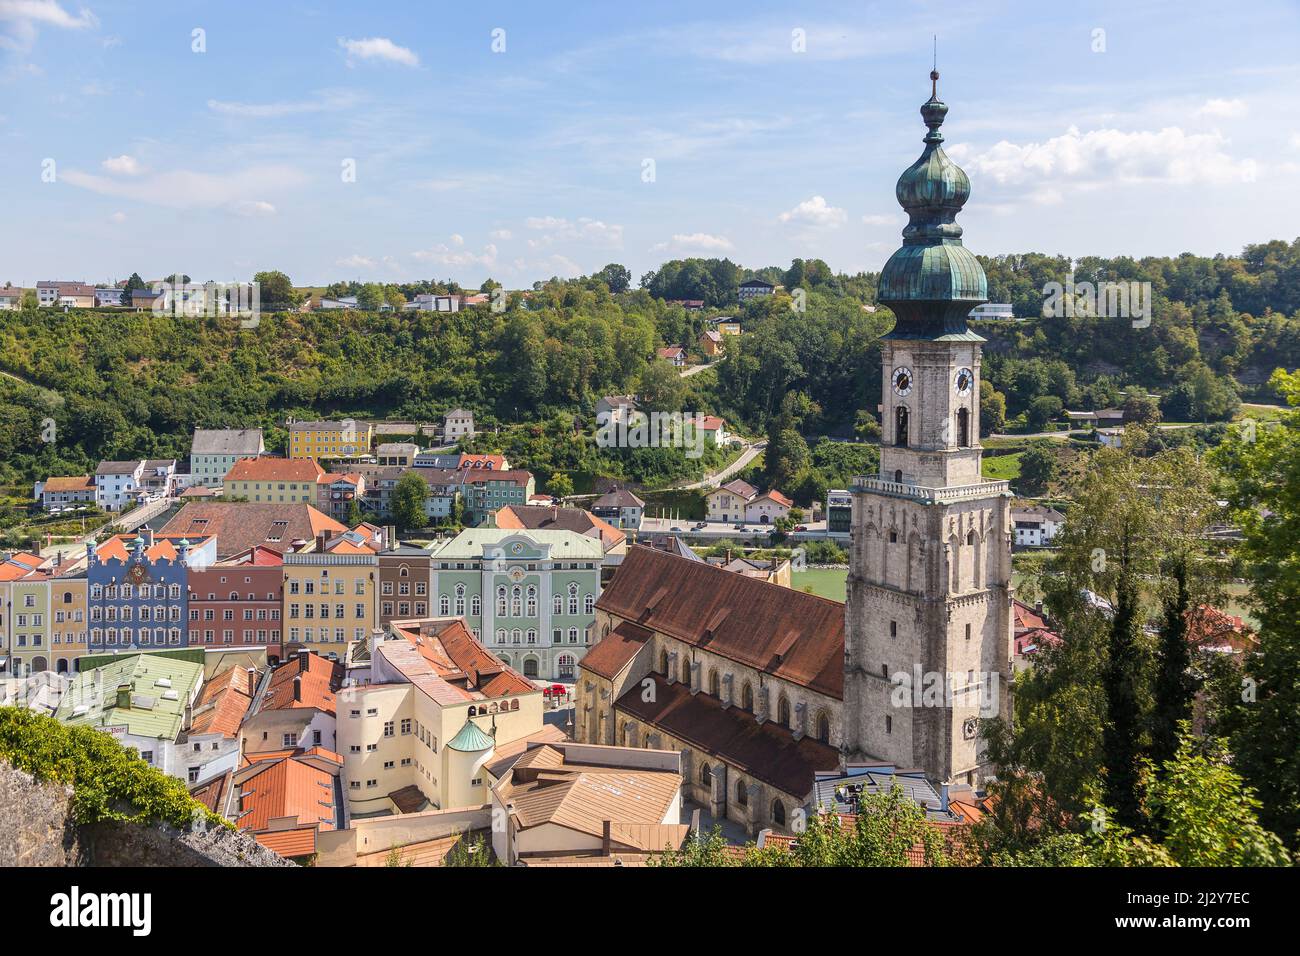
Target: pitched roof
(790,634)
(550,517)
(766,751)
(545,787)
(284,786)
(618,498)
(160,688)
(73,483)
(566,545)
(458,657)
(275,469)
(671,351)
(241,525)
(321,680)
(223,702)
(1026,618)
(615,650)
(118,467)
(776,496)
(740,488)
(226,441)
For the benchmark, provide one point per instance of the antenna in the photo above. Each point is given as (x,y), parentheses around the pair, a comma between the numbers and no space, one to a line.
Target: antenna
(934,71)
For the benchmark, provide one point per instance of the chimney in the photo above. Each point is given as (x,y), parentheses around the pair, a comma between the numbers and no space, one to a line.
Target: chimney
(124,696)
(252,681)
(943,798)
(605,839)
(1038,607)
(297,688)
(189,716)
(728,558)
(304,658)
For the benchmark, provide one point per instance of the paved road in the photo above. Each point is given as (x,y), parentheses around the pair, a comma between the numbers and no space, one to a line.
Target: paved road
(693,370)
(718,477)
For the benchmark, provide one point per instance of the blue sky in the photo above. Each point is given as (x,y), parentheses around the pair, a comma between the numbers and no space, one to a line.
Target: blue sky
(1182,134)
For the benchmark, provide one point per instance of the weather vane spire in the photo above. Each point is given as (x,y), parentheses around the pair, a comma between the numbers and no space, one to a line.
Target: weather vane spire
(934,71)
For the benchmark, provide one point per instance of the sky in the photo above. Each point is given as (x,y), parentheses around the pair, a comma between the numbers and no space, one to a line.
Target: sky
(400,141)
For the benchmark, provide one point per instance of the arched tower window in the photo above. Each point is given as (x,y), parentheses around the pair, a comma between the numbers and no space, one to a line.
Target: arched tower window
(900,426)
(963,427)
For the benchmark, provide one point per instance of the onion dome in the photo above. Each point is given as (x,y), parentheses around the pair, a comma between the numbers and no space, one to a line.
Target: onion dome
(932,282)
(470,739)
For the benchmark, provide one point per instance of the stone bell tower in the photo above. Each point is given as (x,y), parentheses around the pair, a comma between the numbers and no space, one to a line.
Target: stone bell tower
(928,619)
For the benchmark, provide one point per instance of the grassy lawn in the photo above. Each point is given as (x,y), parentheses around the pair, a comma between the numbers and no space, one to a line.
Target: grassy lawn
(1263,412)
(825,582)
(1002,467)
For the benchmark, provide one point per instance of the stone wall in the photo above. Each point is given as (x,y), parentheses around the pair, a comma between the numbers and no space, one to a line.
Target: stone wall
(38,831)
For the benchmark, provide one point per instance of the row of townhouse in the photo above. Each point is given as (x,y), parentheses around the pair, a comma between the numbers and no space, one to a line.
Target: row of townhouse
(114,485)
(223,576)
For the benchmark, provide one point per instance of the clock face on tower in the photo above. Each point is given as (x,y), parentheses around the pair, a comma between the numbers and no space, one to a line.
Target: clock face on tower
(965,379)
(902,381)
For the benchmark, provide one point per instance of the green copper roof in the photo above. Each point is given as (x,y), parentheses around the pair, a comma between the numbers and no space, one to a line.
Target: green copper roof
(932,281)
(160,687)
(470,739)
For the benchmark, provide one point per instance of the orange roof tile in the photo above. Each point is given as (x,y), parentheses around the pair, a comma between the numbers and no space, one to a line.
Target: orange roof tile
(270,789)
(320,682)
(275,469)
(223,702)
(289,843)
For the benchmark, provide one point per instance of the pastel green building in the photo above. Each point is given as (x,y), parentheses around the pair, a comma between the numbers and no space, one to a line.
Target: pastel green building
(528,595)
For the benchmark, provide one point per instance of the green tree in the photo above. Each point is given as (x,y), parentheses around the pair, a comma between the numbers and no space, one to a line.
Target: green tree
(1263,718)
(993,409)
(1043,410)
(615,276)
(1039,468)
(560,485)
(661,387)
(371,296)
(275,291)
(409,496)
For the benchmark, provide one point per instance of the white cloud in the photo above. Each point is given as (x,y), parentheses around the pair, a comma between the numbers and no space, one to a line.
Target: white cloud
(355,262)
(187,189)
(123,165)
(1223,109)
(252,208)
(456,255)
(584,229)
(379,48)
(117,217)
(872,219)
(815,212)
(693,242)
(324,101)
(500,234)
(25,18)
(1110,156)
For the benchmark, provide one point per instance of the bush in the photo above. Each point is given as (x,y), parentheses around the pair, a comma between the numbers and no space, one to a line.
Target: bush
(109,782)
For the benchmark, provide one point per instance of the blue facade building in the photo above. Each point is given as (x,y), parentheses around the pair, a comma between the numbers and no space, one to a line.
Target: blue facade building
(138,590)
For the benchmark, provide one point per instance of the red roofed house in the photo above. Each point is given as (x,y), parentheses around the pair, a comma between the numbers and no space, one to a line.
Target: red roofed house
(217,712)
(283,798)
(767,508)
(236,602)
(711,343)
(675,354)
(1030,631)
(747,676)
(1212,630)
(295,706)
(275,480)
(430,707)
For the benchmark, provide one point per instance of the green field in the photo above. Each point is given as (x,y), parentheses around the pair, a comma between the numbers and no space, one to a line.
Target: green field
(825,582)
(1002,467)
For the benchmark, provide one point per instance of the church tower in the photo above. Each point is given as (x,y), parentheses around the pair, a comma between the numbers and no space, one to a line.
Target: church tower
(928,619)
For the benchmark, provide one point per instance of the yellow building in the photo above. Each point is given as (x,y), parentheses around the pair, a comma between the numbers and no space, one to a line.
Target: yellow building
(68,614)
(437,708)
(330,597)
(346,438)
(275,480)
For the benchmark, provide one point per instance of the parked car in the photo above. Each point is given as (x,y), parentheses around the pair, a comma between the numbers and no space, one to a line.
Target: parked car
(555,690)
(801,527)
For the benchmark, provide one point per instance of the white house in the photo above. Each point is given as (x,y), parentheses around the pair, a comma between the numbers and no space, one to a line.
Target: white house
(117,482)
(1036,525)
(457,424)
(767,508)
